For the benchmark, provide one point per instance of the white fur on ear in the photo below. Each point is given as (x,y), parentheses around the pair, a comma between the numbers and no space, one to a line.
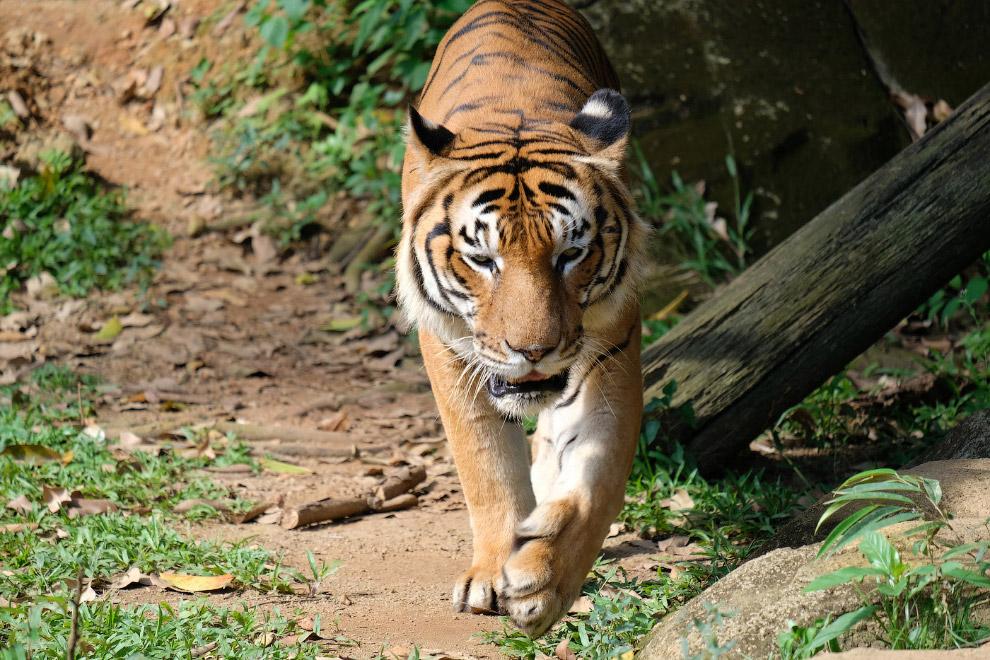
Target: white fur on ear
(604,117)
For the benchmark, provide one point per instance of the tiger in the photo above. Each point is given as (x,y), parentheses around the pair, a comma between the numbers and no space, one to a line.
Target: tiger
(519,263)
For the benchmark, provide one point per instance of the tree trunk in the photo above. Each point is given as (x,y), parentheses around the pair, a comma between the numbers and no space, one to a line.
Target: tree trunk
(820,298)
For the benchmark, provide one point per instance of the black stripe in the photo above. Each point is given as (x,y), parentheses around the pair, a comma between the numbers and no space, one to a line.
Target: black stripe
(489,196)
(554,190)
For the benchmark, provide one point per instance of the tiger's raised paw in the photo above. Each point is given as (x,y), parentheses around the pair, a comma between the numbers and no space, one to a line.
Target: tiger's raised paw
(537,586)
(474,592)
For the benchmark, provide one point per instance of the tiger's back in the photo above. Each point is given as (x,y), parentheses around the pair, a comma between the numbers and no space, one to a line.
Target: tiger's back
(519,262)
(502,57)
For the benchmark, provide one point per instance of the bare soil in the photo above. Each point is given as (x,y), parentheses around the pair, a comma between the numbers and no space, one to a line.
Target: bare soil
(228,332)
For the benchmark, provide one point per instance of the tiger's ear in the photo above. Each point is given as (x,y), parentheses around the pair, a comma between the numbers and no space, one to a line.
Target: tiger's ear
(603,124)
(430,139)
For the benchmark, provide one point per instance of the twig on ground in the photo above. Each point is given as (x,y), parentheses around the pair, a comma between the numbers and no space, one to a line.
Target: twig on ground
(391,496)
(70,649)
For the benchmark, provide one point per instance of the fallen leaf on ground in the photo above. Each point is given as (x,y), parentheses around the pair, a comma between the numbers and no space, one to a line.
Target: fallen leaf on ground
(31,453)
(581,606)
(79,506)
(254,513)
(110,329)
(564,651)
(54,497)
(185,506)
(21,504)
(283,468)
(668,544)
(185,582)
(136,320)
(17,527)
(134,576)
(132,124)
(200,651)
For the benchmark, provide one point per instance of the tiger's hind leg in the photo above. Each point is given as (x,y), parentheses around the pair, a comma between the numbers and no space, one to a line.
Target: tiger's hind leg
(493,465)
(582,459)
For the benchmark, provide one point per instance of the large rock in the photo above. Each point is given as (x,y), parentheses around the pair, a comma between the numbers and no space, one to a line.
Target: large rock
(969,439)
(766,593)
(981,653)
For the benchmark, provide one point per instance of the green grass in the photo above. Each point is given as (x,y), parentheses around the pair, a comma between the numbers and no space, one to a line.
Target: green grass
(63,222)
(40,563)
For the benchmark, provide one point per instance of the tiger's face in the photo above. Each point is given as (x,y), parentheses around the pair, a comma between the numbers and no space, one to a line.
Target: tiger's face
(516,263)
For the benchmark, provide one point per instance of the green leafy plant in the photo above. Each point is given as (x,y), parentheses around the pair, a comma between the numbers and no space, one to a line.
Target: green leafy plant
(921,605)
(64,223)
(714,248)
(800,643)
(341,128)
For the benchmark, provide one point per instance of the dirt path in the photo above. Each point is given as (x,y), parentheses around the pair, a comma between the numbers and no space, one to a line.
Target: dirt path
(231,335)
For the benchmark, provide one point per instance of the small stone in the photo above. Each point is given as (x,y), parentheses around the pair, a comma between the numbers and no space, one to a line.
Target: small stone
(167,28)
(17,104)
(77,126)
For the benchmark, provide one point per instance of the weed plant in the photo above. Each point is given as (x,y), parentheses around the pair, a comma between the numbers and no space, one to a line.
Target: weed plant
(341,128)
(712,247)
(63,222)
(920,602)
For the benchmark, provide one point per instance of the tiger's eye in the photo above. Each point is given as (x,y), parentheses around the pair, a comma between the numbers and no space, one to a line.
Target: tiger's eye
(481,261)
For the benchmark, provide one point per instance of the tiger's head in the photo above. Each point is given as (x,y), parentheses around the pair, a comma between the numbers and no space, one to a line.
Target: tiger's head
(520,245)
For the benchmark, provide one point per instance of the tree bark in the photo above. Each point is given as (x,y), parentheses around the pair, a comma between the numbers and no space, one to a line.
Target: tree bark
(820,298)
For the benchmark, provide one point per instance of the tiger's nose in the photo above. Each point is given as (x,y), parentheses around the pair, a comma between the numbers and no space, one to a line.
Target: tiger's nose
(533,352)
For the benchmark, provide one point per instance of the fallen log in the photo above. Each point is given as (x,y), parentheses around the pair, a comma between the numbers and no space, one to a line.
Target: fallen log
(821,297)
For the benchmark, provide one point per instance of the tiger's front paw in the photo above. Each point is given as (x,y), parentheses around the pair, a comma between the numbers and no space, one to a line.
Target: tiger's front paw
(535,587)
(551,556)
(474,591)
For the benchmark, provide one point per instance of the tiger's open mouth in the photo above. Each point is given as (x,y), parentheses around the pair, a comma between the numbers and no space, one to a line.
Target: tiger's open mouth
(532,383)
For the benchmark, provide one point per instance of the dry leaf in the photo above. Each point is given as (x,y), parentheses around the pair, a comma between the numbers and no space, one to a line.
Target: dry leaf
(136,320)
(55,497)
(669,544)
(581,606)
(78,506)
(132,124)
(132,576)
(21,505)
(17,527)
(614,530)
(185,506)
(564,651)
(227,295)
(184,582)
(338,421)
(200,651)
(31,454)
(254,513)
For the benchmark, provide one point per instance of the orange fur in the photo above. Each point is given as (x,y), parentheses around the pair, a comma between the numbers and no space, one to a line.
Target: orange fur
(519,262)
